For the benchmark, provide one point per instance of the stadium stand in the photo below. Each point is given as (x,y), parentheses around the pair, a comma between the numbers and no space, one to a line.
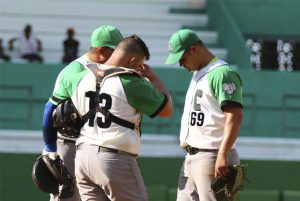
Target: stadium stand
(149,19)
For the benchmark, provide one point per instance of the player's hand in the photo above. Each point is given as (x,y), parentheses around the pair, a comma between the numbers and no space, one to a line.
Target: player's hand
(221,166)
(145,71)
(51,155)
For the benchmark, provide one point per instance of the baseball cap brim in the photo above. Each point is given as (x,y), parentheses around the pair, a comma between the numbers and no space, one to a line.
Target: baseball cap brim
(114,46)
(174,58)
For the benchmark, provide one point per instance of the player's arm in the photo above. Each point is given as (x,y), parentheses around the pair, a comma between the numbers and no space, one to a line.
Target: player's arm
(226,85)
(233,116)
(75,71)
(49,132)
(148,73)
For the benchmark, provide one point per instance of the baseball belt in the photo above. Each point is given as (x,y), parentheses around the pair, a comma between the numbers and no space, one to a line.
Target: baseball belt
(97,148)
(194,150)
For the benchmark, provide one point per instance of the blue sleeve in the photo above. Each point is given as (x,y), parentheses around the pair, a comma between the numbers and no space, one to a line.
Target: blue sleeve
(49,132)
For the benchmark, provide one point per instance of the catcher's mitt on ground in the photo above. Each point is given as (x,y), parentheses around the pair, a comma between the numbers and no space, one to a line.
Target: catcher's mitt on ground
(226,190)
(51,176)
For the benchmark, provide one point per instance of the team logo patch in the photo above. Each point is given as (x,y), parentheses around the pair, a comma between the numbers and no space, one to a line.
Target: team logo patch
(229,87)
(100,73)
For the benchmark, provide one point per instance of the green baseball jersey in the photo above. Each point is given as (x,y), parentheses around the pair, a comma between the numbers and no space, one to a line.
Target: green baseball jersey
(203,121)
(61,89)
(127,96)
(72,73)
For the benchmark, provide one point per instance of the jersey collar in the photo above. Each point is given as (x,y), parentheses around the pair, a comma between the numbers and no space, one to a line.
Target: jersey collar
(214,63)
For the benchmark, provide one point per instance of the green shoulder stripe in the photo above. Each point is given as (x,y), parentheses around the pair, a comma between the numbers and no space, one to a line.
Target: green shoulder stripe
(226,85)
(68,80)
(142,95)
(73,67)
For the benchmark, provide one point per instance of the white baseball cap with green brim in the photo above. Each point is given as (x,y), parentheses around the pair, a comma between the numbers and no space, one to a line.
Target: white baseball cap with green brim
(180,41)
(106,36)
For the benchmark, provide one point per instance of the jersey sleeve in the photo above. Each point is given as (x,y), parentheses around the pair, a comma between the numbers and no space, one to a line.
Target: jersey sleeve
(142,95)
(226,86)
(49,132)
(63,88)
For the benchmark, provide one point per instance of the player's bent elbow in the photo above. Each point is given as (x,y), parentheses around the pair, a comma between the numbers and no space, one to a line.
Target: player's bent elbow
(167,111)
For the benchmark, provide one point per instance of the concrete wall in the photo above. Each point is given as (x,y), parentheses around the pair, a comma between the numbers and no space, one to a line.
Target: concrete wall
(158,173)
(272,17)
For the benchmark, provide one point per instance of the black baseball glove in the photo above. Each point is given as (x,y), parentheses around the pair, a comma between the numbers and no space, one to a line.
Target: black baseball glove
(51,176)
(226,190)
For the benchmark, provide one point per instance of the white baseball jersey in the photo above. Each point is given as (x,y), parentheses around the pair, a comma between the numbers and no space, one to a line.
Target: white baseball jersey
(126,96)
(202,123)
(60,91)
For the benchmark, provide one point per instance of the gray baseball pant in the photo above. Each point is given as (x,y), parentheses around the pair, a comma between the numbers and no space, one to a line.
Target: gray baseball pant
(104,176)
(196,176)
(67,150)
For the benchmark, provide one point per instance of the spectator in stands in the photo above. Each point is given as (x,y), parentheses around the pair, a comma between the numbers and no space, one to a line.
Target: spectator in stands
(29,45)
(71,46)
(2,53)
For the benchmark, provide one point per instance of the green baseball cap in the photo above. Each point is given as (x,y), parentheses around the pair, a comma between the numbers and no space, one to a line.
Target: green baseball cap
(106,36)
(180,41)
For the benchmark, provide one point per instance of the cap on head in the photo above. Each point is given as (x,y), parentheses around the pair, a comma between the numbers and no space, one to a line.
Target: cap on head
(180,41)
(106,36)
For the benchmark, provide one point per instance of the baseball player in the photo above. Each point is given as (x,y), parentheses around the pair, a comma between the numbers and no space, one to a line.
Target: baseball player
(109,142)
(103,42)
(211,119)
